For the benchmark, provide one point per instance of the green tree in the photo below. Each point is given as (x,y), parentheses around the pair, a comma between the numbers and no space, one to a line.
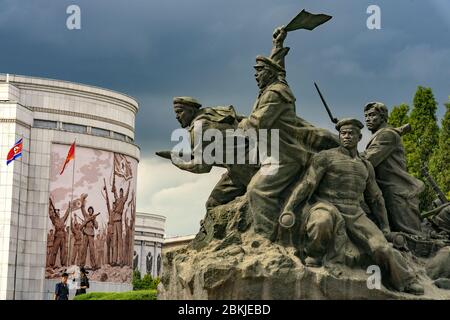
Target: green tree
(420,143)
(440,160)
(399,115)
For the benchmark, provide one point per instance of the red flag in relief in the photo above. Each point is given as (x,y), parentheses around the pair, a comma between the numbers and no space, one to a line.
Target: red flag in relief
(70,156)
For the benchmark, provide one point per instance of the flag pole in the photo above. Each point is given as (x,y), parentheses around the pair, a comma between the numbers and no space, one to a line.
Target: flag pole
(18,224)
(71,200)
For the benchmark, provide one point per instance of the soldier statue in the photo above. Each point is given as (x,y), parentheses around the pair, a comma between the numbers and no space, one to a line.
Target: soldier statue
(77,241)
(50,239)
(275,109)
(118,211)
(88,228)
(233,183)
(59,224)
(386,154)
(329,198)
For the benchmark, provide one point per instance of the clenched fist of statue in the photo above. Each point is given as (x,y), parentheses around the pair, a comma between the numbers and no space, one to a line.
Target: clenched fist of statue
(279,35)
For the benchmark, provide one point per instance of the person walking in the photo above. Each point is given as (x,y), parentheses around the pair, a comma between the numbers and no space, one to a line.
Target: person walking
(84,282)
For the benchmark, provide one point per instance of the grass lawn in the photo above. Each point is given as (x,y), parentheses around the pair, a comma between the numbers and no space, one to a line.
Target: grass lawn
(129,295)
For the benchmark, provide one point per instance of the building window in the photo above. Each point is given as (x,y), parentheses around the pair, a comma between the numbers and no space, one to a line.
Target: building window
(46,124)
(72,127)
(119,136)
(100,132)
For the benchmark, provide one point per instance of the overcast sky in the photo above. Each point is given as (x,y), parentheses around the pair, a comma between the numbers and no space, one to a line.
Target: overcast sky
(156,49)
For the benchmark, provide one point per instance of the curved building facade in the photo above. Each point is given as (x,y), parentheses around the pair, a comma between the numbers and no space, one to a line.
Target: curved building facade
(148,243)
(50,115)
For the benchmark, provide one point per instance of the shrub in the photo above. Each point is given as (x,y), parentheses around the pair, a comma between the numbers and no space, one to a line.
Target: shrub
(129,295)
(145,283)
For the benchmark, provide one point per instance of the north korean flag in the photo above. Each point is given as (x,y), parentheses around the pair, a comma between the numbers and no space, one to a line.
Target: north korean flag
(15,152)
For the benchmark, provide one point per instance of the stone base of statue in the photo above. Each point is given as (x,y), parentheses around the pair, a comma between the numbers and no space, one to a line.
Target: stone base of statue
(232,262)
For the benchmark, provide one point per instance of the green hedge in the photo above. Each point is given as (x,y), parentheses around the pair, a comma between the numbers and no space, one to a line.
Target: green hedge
(129,295)
(146,282)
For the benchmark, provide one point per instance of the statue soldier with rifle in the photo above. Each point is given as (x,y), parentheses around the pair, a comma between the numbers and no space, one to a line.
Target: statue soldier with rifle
(313,218)
(88,227)
(386,153)
(328,201)
(77,244)
(109,229)
(59,224)
(234,181)
(439,217)
(118,211)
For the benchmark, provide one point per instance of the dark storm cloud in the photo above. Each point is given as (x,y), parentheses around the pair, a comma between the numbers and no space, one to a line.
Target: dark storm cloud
(157,49)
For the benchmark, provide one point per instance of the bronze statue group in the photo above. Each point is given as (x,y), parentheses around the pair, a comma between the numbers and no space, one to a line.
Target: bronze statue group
(330,198)
(111,244)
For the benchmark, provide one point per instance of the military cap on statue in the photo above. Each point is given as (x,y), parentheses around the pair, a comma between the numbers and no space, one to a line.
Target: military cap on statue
(186,101)
(262,61)
(349,121)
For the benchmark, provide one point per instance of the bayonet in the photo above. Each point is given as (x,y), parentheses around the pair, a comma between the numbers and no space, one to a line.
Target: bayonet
(333,119)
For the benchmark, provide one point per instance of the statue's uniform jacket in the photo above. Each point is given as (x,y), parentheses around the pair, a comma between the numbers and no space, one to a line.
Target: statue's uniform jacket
(233,183)
(59,238)
(335,184)
(88,240)
(298,140)
(77,244)
(400,190)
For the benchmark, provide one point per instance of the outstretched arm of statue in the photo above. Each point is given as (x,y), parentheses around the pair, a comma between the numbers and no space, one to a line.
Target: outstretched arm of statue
(307,185)
(192,167)
(183,165)
(83,211)
(279,52)
(278,37)
(375,201)
(381,147)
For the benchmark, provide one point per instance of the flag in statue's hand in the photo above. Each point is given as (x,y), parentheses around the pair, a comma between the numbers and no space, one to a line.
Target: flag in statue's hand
(15,152)
(70,156)
(307,20)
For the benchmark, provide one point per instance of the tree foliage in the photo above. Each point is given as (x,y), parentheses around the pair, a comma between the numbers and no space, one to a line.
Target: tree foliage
(421,142)
(399,115)
(440,159)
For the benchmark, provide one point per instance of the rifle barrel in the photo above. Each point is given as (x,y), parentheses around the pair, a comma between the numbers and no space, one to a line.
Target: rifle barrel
(434,185)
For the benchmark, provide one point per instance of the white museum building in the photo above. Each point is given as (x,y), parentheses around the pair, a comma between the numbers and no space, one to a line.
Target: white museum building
(148,243)
(45,112)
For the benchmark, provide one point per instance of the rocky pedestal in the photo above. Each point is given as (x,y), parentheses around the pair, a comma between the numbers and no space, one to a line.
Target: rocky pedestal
(243,265)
